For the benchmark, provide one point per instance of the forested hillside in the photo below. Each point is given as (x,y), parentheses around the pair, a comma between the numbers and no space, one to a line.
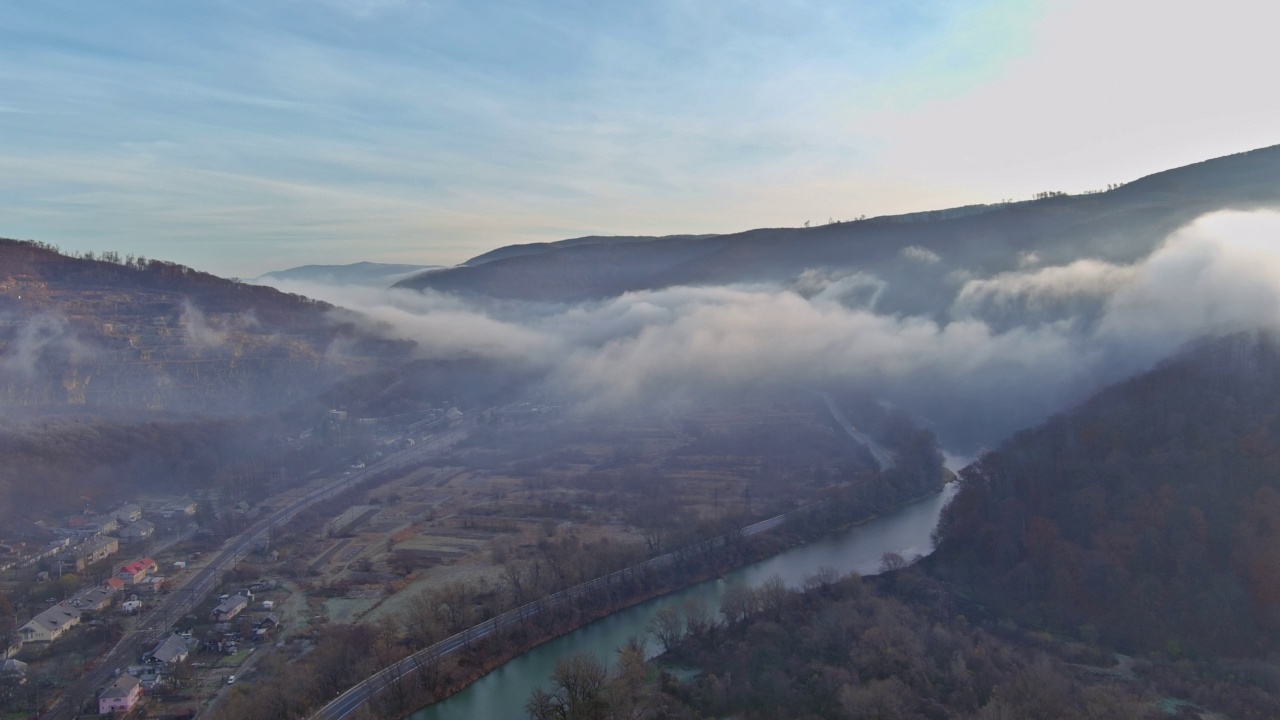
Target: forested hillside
(1148,518)
(121,335)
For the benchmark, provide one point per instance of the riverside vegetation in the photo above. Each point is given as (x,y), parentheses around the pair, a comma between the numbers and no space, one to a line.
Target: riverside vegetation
(1115,562)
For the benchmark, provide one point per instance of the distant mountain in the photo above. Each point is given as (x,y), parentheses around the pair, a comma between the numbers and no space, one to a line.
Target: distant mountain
(105,335)
(916,255)
(361,273)
(1148,517)
(511,251)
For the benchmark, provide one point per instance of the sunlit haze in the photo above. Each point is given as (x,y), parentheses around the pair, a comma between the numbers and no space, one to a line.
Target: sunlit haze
(243,137)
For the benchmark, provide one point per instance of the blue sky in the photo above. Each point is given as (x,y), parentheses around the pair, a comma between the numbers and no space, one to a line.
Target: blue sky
(245,136)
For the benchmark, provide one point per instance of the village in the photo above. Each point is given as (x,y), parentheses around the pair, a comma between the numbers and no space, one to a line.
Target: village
(523,489)
(115,589)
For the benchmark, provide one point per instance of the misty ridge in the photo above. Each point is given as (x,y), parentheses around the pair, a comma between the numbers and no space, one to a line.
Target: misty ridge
(92,334)
(1002,352)
(977,321)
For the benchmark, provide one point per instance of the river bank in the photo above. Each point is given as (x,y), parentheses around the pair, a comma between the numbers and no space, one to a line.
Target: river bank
(499,693)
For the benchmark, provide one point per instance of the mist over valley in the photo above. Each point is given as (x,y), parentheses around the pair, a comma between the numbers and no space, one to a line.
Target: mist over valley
(403,455)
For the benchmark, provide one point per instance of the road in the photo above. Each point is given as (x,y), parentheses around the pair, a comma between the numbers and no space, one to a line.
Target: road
(882,456)
(193,589)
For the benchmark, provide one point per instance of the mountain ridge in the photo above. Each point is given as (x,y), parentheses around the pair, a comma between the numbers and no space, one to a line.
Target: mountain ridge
(1119,225)
(357,273)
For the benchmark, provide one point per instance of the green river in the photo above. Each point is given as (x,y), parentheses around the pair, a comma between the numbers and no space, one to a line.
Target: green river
(501,694)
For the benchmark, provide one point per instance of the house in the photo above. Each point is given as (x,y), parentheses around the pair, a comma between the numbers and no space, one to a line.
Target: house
(106,523)
(120,696)
(13,670)
(136,571)
(153,584)
(50,550)
(128,513)
(91,551)
(114,583)
(50,624)
(13,648)
(99,548)
(181,507)
(170,651)
(230,608)
(95,599)
(137,532)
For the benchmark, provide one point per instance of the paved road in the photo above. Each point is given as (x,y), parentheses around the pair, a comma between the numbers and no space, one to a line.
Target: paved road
(882,456)
(196,587)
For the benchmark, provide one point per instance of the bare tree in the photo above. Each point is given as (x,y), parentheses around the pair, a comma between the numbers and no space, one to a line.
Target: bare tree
(667,627)
(773,595)
(578,693)
(822,579)
(697,617)
(891,561)
(737,604)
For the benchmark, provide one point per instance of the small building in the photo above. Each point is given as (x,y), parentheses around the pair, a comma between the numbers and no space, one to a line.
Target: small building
(120,696)
(52,548)
(13,670)
(88,552)
(137,532)
(153,585)
(105,523)
(95,599)
(268,604)
(136,571)
(115,583)
(230,608)
(50,624)
(128,513)
(170,651)
(129,607)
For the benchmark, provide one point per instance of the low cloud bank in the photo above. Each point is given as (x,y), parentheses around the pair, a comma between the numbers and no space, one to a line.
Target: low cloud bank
(1011,349)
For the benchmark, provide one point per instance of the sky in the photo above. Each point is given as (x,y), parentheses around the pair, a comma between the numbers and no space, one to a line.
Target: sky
(245,136)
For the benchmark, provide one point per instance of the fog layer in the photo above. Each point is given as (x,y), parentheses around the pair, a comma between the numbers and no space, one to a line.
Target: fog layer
(1010,349)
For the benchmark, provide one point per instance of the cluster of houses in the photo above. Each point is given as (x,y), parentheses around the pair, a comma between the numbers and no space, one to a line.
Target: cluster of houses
(88,538)
(137,576)
(226,638)
(125,691)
